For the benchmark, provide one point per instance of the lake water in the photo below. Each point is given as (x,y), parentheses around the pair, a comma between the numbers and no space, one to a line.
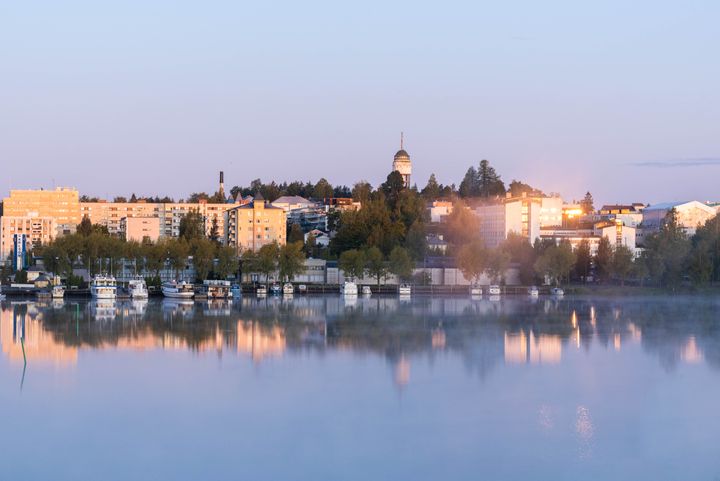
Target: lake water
(319,388)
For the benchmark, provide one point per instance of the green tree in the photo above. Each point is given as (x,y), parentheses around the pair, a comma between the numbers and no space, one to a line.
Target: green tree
(362,191)
(583,260)
(489,182)
(400,263)
(291,260)
(472,260)
(666,252)
(203,253)
(393,185)
(295,234)
(556,262)
(352,263)
(215,232)
(523,254)
(461,226)
(267,260)
(603,257)
(322,189)
(621,264)
(587,204)
(192,226)
(227,262)
(416,241)
(177,253)
(470,185)
(431,191)
(375,265)
(497,265)
(84,228)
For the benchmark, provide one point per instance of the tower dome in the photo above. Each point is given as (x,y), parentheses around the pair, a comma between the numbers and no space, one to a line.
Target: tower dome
(402,163)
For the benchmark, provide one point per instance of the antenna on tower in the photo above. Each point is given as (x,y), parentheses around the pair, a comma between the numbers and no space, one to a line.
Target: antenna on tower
(401,140)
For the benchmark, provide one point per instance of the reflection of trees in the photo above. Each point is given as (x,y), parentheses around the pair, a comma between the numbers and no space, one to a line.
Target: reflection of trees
(476,331)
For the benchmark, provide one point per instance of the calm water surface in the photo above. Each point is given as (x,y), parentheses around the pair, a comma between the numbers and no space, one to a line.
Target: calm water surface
(318,388)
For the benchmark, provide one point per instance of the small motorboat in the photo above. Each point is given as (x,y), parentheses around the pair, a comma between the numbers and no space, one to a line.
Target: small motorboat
(405,290)
(261,291)
(138,288)
(366,291)
(103,287)
(57,292)
(475,290)
(236,291)
(275,289)
(494,290)
(178,290)
(557,292)
(533,291)
(349,288)
(302,289)
(288,289)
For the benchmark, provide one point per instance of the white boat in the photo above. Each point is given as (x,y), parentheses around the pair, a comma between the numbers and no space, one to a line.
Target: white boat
(475,291)
(494,290)
(275,289)
(302,289)
(138,288)
(178,290)
(58,292)
(533,291)
(261,291)
(366,291)
(557,292)
(103,287)
(405,289)
(288,289)
(349,288)
(216,289)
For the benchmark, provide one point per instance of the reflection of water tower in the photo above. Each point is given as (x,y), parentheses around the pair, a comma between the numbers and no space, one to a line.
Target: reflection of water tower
(402,163)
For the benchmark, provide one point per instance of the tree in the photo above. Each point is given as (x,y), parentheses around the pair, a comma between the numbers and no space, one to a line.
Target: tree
(462,226)
(603,258)
(621,264)
(192,226)
(203,253)
(393,185)
(120,199)
(583,260)
(227,262)
(352,263)
(84,228)
(291,260)
(497,265)
(470,185)
(322,189)
(517,189)
(587,204)
(555,262)
(521,253)
(431,191)
(215,231)
(177,253)
(666,252)
(295,233)
(489,182)
(416,241)
(375,265)
(400,263)
(472,260)
(267,260)
(155,256)
(362,191)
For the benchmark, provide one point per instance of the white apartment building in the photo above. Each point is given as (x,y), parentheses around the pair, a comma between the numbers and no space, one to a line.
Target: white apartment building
(615,231)
(523,215)
(690,214)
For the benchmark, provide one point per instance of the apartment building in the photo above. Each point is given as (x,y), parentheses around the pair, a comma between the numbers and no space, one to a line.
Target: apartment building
(61,204)
(38,231)
(253,225)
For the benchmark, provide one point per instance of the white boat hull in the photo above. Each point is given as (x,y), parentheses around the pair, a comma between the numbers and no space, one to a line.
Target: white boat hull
(175,294)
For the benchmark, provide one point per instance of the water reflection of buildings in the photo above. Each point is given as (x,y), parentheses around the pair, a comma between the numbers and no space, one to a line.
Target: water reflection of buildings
(524,348)
(260,342)
(21,328)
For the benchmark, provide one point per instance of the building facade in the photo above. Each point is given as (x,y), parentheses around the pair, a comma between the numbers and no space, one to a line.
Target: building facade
(402,163)
(253,225)
(522,215)
(38,231)
(61,204)
(140,229)
(690,215)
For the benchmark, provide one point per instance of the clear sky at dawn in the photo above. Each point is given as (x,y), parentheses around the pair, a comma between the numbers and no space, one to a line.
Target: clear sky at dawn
(154,97)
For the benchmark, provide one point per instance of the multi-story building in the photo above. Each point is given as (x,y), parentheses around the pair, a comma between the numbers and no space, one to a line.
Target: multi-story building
(61,204)
(690,215)
(253,225)
(522,215)
(38,231)
(630,214)
(615,231)
(140,229)
(288,203)
(440,209)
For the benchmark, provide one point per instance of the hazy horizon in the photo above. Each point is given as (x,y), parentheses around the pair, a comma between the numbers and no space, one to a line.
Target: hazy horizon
(121,97)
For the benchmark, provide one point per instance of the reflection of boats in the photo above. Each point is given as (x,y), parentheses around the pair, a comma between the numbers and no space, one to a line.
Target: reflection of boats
(366,291)
(349,288)
(275,289)
(475,290)
(494,290)
(216,289)
(533,291)
(176,305)
(404,290)
(288,288)
(138,288)
(178,290)
(103,309)
(557,292)
(216,307)
(57,292)
(103,287)
(494,297)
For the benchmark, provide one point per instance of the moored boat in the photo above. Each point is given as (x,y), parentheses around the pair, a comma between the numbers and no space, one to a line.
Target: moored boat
(557,292)
(494,290)
(405,290)
(138,288)
(217,289)
(533,291)
(178,290)
(103,287)
(261,291)
(288,289)
(275,289)
(57,292)
(475,290)
(366,291)
(349,288)
(302,289)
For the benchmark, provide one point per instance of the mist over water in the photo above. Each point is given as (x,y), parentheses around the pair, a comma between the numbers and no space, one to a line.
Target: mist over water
(377,388)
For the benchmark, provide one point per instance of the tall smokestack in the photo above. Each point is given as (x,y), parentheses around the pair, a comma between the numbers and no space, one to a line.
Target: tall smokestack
(222,184)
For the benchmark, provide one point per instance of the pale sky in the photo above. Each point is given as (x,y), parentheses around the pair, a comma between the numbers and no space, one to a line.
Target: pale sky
(154,97)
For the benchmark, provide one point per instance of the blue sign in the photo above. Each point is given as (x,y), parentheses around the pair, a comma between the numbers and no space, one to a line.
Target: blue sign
(19,252)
